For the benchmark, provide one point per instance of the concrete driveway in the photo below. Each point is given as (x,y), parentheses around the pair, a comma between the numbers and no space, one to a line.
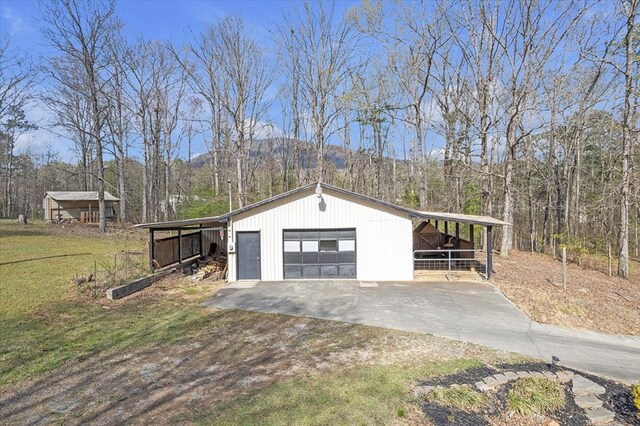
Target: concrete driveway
(473,312)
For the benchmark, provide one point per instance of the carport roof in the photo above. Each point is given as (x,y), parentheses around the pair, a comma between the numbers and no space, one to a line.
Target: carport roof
(452,217)
(175,224)
(471,219)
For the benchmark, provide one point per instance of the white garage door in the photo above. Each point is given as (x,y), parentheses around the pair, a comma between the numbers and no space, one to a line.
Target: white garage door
(320,253)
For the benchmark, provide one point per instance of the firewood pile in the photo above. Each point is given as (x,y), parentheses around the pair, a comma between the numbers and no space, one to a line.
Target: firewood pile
(215,267)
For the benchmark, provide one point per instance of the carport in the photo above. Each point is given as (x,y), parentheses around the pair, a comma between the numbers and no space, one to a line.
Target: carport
(447,242)
(180,242)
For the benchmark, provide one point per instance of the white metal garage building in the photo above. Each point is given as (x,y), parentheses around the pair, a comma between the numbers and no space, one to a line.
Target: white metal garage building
(324,232)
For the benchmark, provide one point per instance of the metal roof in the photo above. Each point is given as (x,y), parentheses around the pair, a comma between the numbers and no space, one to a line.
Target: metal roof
(453,217)
(79,196)
(175,224)
(463,218)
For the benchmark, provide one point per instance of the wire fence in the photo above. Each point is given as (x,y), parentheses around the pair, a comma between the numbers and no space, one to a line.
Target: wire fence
(450,260)
(125,266)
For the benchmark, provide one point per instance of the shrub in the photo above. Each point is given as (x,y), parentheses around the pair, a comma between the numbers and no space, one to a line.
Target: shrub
(460,397)
(536,395)
(635,394)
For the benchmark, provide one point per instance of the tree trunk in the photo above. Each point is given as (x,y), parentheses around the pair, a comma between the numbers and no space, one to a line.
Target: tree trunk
(623,233)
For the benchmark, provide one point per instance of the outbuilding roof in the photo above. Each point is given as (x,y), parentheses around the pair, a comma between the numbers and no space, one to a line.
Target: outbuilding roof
(452,217)
(78,196)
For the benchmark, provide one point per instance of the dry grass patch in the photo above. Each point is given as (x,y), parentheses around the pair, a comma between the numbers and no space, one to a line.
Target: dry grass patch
(592,301)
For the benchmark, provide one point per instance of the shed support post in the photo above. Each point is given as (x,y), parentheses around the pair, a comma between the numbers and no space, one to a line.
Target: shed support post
(489,251)
(446,228)
(179,245)
(151,250)
(471,238)
(457,236)
(201,249)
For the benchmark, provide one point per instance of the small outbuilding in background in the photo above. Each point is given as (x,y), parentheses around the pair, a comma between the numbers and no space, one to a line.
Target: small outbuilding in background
(82,206)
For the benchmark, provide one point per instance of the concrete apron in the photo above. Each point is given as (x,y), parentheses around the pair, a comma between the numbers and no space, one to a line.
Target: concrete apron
(468,311)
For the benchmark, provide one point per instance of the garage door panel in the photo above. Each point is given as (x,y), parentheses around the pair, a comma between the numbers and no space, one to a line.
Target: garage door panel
(292,258)
(325,253)
(329,271)
(310,258)
(346,257)
(329,257)
(292,272)
(347,271)
(291,235)
(311,271)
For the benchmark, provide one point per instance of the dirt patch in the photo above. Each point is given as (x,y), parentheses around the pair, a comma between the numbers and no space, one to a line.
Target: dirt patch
(592,301)
(114,230)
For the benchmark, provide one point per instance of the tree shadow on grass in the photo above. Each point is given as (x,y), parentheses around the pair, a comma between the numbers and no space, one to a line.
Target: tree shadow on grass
(43,258)
(22,232)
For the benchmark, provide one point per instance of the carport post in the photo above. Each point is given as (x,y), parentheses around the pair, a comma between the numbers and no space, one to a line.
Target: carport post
(151,250)
(179,245)
(489,251)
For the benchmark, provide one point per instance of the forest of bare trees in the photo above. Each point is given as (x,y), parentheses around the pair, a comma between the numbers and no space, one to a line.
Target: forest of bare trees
(526,110)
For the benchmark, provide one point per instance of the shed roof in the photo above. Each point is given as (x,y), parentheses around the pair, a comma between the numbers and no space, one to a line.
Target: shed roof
(453,217)
(79,196)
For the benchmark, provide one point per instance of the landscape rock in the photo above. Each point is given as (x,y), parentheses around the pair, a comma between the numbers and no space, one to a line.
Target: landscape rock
(564,376)
(600,416)
(583,386)
(500,379)
(588,402)
(510,375)
(491,382)
(422,391)
(482,386)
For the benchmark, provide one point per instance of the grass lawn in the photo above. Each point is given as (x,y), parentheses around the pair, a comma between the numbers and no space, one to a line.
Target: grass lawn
(160,356)
(363,395)
(38,262)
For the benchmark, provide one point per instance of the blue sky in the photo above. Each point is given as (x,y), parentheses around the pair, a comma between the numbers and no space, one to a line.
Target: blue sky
(162,20)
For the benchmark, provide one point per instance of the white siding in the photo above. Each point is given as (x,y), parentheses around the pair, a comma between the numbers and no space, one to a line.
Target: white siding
(209,237)
(383,235)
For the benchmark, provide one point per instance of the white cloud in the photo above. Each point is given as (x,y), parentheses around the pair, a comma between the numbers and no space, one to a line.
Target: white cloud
(264,130)
(16,22)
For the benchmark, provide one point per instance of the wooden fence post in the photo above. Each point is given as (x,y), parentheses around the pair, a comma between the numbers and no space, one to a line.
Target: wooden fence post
(564,268)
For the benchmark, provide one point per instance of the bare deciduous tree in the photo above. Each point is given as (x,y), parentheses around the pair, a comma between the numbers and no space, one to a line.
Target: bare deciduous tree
(81,31)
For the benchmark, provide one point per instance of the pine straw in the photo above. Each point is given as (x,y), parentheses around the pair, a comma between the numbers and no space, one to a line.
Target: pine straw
(592,301)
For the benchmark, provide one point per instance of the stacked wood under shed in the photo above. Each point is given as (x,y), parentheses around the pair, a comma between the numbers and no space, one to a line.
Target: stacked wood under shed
(212,266)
